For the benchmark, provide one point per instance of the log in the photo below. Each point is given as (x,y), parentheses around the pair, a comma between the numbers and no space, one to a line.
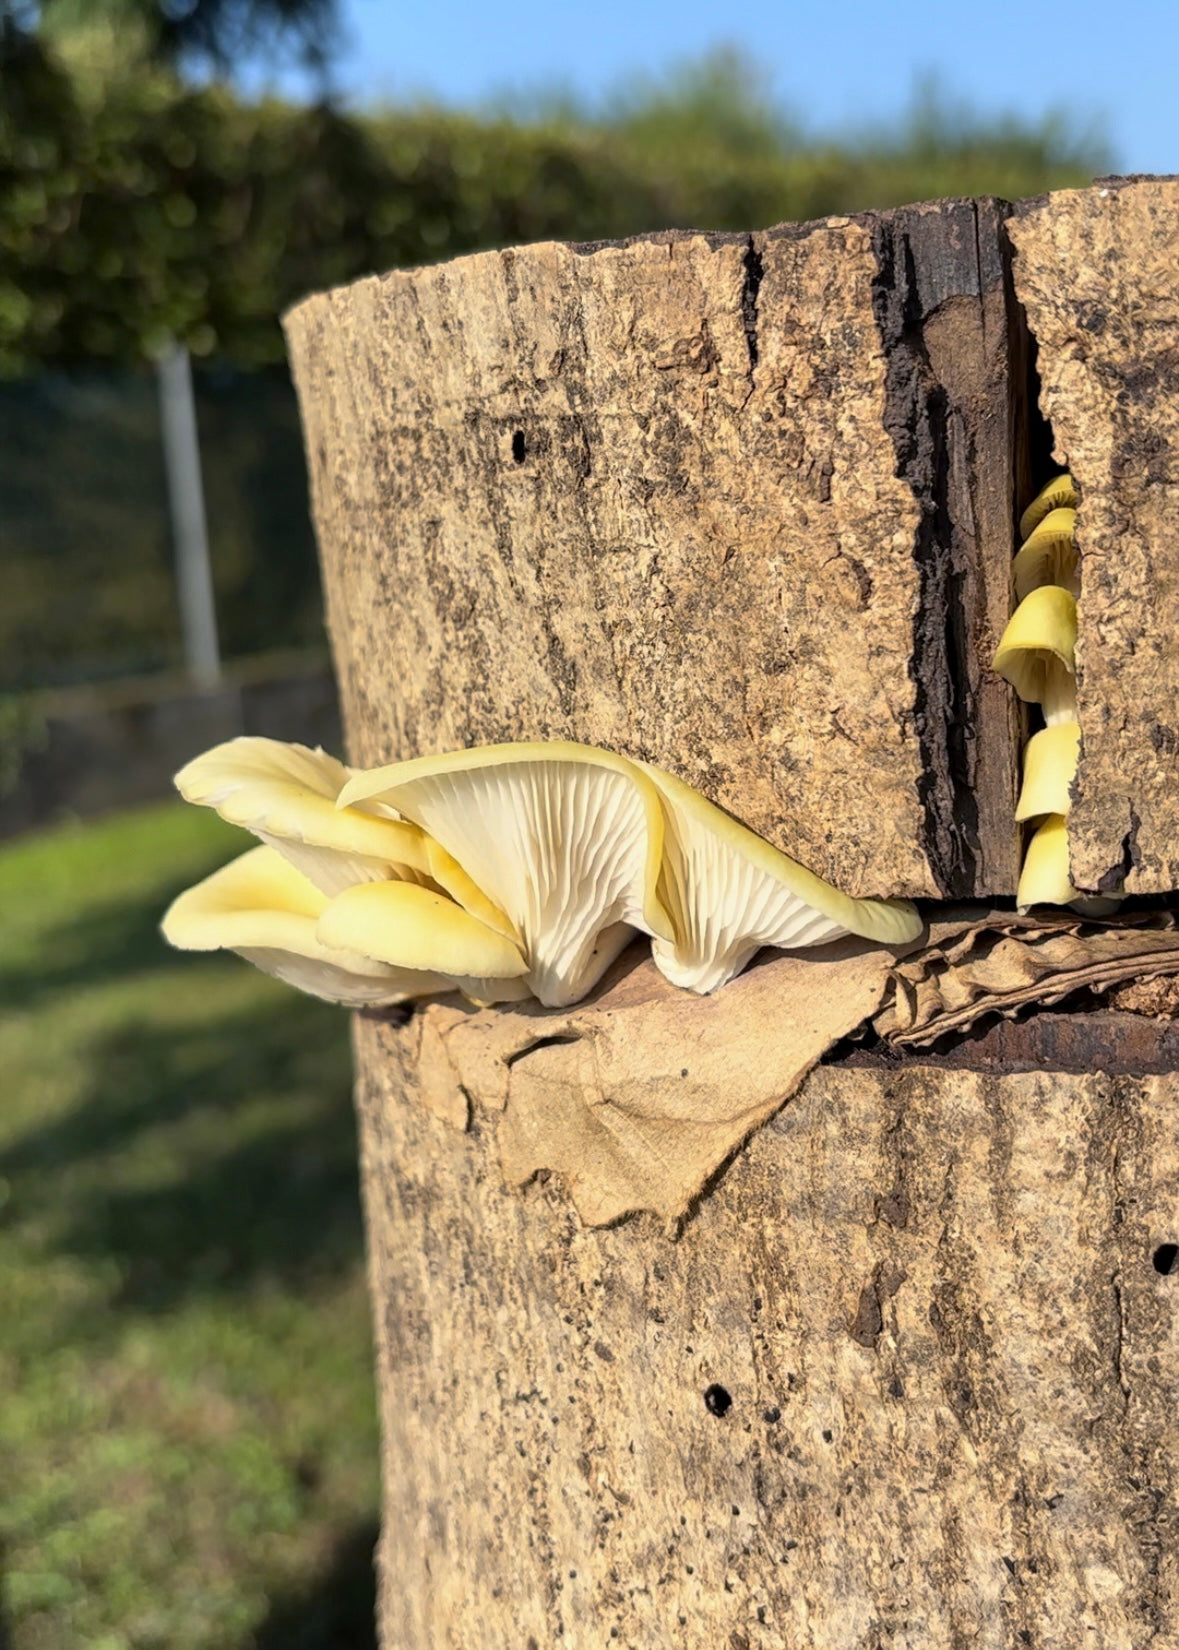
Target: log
(891,1364)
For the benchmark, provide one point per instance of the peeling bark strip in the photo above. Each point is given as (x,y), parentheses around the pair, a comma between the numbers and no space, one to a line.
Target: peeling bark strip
(1098,272)
(932,1301)
(653,496)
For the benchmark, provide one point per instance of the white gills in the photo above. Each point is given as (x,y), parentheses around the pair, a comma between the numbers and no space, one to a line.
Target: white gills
(565,839)
(729,893)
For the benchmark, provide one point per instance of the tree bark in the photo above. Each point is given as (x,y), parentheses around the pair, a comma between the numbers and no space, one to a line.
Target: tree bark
(903,1373)
(905,1378)
(1098,271)
(739,505)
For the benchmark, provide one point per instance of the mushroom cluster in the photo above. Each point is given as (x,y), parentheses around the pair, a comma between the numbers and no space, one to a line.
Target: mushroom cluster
(1037,656)
(505,872)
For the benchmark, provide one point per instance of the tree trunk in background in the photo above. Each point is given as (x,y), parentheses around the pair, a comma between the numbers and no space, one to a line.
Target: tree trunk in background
(744,506)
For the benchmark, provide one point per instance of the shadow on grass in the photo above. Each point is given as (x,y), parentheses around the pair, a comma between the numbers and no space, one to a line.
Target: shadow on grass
(210,1185)
(5,1629)
(201,1153)
(105,942)
(335,1611)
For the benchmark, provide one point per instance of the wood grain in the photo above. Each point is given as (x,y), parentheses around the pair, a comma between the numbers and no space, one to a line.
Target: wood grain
(929,1294)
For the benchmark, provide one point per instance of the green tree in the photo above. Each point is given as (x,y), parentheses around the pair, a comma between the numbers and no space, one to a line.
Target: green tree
(206,34)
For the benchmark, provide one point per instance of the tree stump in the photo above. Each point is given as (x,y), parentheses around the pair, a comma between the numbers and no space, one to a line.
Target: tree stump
(903,1373)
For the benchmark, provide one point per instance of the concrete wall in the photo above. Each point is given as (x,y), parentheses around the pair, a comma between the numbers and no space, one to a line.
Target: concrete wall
(89,752)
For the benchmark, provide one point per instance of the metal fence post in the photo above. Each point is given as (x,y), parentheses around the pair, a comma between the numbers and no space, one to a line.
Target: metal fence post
(186,504)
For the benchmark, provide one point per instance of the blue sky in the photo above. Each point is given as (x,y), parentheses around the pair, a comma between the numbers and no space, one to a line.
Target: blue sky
(833,63)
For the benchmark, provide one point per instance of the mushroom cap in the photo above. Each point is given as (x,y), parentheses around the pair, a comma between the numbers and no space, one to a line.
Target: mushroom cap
(287,795)
(1037,652)
(730,893)
(1044,879)
(566,839)
(1049,556)
(1049,766)
(260,906)
(1060,492)
(412,927)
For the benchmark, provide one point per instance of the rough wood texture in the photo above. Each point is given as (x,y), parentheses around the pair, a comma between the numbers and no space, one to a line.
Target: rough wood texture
(744,506)
(738,505)
(1098,271)
(930,1296)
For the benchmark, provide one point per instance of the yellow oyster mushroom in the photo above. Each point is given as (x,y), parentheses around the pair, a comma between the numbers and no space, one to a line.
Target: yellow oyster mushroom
(1037,652)
(730,893)
(260,906)
(1049,766)
(1044,879)
(1059,493)
(287,795)
(1049,556)
(566,839)
(413,927)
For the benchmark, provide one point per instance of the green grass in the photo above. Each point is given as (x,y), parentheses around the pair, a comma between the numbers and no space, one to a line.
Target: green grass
(188,1452)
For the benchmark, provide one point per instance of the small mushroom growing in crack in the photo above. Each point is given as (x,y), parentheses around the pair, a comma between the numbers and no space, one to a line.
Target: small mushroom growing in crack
(1048,555)
(1044,878)
(1036,653)
(1058,494)
(1049,765)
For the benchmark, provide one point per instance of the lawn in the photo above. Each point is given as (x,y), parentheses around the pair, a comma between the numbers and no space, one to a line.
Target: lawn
(187,1430)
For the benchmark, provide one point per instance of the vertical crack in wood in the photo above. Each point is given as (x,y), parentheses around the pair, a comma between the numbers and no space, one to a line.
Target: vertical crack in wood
(917,416)
(754,269)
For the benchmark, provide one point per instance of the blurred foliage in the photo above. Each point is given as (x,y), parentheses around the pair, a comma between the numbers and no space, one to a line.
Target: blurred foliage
(135,207)
(198,33)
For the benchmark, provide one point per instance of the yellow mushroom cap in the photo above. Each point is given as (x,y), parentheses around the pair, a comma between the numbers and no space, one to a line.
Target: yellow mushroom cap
(1049,766)
(566,839)
(1049,556)
(1060,492)
(288,796)
(1037,652)
(260,906)
(413,927)
(1044,879)
(730,893)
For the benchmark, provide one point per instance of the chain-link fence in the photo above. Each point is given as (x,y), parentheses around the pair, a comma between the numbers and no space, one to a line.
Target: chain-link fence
(87,580)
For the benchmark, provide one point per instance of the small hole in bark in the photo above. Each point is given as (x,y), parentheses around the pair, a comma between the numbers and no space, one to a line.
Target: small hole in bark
(718,1400)
(519,447)
(1166,1259)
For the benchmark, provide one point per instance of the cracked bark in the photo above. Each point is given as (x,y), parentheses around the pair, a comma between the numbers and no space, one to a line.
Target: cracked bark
(1096,270)
(685,497)
(945,1427)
